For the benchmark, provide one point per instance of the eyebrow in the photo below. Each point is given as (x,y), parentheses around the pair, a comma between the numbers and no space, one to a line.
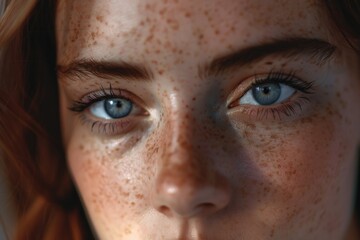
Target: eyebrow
(315,49)
(104,69)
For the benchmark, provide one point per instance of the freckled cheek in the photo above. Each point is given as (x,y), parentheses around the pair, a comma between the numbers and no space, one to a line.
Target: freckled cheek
(305,149)
(303,168)
(296,155)
(111,186)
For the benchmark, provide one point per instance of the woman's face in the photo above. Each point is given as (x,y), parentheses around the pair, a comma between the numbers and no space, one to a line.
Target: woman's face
(215,119)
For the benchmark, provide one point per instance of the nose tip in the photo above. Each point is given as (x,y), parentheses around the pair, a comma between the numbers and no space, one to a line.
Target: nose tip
(189,199)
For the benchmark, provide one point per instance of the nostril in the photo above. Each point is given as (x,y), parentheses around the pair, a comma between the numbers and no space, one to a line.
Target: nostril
(206,205)
(200,209)
(165,210)
(205,208)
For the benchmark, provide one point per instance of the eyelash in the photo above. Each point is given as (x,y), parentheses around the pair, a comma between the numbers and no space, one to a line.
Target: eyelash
(289,79)
(103,94)
(109,127)
(287,108)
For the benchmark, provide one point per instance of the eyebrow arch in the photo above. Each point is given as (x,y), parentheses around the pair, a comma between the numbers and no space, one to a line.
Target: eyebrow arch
(104,69)
(318,50)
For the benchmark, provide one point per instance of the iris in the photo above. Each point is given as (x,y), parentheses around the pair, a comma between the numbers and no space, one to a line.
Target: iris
(267,93)
(118,107)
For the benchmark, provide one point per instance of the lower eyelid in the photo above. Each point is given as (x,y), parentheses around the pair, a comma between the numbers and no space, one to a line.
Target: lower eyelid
(112,127)
(288,110)
(109,127)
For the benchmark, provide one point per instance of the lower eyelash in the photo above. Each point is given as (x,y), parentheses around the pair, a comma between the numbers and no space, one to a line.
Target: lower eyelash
(287,109)
(107,128)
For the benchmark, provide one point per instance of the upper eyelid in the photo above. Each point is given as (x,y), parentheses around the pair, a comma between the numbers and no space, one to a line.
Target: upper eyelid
(107,93)
(283,78)
(239,91)
(102,94)
(265,78)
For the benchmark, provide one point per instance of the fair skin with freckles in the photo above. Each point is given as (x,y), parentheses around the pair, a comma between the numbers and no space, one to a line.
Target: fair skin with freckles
(193,159)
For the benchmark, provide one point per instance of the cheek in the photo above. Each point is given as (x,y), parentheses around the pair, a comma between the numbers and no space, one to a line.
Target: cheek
(112,187)
(307,172)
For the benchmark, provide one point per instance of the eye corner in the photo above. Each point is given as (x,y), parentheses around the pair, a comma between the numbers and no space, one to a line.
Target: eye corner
(233,103)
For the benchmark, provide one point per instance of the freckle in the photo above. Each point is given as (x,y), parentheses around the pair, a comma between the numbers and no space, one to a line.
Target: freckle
(174,50)
(264,164)
(269,63)
(100,18)
(273,136)
(162,11)
(230,47)
(154,62)
(187,14)
(173,23)
(81,147)
(147,6)
(139,196)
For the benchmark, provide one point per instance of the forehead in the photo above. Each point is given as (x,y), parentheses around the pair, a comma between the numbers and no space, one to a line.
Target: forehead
(141,29)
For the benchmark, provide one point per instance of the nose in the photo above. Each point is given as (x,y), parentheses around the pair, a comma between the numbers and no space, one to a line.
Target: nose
(187,183)
(179,193)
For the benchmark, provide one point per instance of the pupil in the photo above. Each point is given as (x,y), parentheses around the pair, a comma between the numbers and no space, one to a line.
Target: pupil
(266,90)
(118,104)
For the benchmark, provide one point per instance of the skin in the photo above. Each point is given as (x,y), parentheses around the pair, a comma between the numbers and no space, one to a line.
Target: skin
(187,166)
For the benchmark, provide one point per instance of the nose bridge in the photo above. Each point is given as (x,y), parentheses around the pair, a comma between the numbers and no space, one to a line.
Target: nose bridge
(186,182)
(183,148)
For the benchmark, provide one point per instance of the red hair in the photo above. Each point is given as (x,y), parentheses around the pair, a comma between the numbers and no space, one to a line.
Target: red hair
(46,203)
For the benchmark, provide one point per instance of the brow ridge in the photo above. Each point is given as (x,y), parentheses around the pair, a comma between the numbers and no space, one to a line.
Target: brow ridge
(105,69)
(318,50)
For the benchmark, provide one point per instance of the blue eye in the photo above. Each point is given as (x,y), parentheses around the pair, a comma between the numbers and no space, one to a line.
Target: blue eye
(267,94)
(112,108)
